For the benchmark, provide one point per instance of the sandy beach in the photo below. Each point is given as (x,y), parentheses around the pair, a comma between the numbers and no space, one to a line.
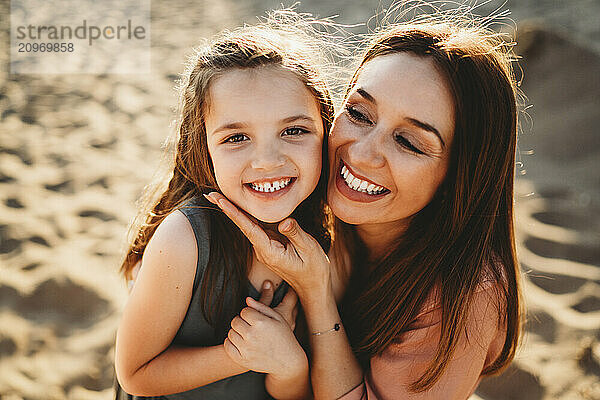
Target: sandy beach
(76,151)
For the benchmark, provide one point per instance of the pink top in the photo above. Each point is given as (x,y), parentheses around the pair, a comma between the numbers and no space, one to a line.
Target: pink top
(403,362)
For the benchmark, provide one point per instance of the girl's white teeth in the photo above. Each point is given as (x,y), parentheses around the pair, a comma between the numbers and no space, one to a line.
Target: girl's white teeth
(271,187)
(358,184)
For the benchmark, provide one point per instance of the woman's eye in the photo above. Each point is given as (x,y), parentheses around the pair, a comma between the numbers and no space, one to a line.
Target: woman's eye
(295,131)
(404,142)
(235,138)
(357,115)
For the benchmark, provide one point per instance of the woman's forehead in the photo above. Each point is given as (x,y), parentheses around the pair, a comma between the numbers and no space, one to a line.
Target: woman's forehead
(409,85)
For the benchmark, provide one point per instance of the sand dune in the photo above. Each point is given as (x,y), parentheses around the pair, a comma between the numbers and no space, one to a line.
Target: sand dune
(76,150)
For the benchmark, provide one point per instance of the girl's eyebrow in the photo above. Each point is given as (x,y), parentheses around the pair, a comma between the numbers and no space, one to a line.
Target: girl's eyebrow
(296,118)
(229,126)
(413,121)
(241,125)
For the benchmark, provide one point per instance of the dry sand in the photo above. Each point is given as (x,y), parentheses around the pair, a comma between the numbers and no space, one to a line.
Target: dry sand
(76,150)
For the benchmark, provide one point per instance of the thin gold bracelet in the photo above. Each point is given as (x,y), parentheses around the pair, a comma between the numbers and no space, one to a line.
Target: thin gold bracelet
(336,327)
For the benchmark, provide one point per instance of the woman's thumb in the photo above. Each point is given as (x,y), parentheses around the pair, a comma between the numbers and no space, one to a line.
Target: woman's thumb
(300,239)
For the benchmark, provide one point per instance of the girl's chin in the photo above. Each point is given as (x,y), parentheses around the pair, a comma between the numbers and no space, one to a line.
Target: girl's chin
(267,219)
(270,220)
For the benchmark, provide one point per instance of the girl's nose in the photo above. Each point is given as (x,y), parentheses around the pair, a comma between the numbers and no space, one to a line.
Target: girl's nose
(268,157)
(365,150)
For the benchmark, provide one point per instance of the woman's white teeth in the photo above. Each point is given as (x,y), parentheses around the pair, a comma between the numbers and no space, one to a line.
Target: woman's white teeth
(271,186)
(358,184)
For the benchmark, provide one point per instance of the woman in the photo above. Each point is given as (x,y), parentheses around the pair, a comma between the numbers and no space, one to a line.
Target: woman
(422,168)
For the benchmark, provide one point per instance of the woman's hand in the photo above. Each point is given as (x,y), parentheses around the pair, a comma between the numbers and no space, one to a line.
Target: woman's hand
(262,339)
(302,263)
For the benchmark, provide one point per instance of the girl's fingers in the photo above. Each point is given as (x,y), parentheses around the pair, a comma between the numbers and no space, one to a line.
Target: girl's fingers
(288,308)
(235,338)
(240,325)
(231,350)
(290,300)
(287,305)
(252,315)
(262,308)
(267,292)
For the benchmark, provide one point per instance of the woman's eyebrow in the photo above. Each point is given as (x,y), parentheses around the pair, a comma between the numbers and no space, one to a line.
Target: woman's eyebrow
(413,121)
(366,95)
(426,127)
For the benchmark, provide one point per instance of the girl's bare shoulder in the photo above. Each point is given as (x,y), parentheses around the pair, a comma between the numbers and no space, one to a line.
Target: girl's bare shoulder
(172,249)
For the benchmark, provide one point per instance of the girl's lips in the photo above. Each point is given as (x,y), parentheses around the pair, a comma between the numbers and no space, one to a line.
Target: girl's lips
(352,194)
(269,195)
(270,180)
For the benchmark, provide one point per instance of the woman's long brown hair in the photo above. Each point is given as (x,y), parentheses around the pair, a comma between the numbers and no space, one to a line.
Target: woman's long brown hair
(467,229)
(276,43)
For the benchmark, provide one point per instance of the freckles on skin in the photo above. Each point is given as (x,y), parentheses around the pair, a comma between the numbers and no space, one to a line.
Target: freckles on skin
(399,98)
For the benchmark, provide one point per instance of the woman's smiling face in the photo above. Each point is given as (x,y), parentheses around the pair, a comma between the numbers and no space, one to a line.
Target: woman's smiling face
(389,146)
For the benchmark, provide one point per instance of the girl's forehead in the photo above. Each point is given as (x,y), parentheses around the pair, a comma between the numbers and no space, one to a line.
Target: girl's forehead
(248,76)
(258,95)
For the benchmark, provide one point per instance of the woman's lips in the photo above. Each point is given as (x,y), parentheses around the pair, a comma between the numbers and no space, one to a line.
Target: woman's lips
(352,194)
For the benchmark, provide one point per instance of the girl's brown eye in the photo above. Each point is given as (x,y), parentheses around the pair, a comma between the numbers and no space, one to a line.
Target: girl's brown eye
(235,138)
(295,131)
(357,115)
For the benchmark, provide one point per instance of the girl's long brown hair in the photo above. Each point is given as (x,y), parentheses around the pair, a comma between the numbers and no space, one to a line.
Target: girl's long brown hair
(285,41)
(467,229)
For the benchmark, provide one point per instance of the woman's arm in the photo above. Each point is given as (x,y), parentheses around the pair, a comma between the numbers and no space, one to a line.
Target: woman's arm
(145,362)
(303,264)
(403,363)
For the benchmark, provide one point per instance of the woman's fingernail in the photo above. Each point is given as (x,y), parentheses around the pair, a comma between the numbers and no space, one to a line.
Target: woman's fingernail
(267,285)
(287,225)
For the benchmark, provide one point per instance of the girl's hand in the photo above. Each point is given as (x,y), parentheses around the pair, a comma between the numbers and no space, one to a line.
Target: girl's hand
(303,263)
(262,339)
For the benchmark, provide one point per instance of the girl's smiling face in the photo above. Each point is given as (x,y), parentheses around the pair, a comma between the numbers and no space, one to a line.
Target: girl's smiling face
(265,137)
(389,147)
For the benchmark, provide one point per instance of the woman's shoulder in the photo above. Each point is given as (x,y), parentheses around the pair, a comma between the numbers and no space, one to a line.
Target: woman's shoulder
(493,272)
(489,287)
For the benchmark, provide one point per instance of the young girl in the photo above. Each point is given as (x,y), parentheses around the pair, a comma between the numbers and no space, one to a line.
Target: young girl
(254,112)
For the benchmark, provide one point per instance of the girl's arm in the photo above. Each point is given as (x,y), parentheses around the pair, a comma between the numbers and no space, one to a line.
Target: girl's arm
(145,363)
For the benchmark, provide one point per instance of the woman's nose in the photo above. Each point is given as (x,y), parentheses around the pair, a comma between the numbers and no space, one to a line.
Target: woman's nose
(366,150)
(267,157)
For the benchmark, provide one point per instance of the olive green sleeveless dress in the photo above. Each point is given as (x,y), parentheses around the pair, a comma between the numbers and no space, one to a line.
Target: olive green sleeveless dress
(196,331)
